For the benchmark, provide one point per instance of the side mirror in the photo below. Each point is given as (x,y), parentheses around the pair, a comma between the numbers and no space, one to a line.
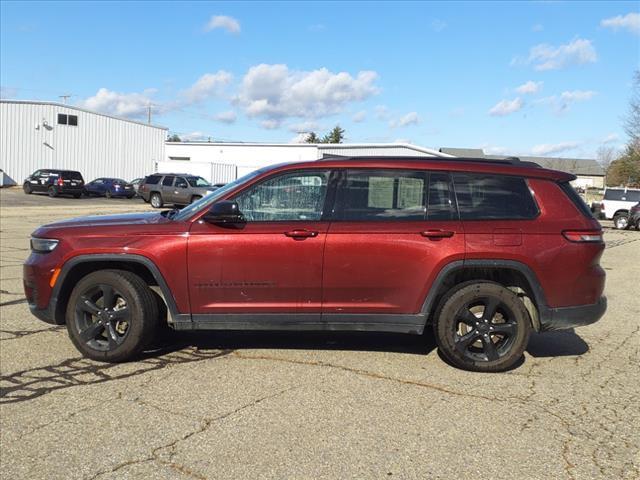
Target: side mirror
(224,212)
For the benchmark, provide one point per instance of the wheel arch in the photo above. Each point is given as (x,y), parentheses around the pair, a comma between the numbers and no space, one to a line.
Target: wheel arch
(509,273)
(78,267)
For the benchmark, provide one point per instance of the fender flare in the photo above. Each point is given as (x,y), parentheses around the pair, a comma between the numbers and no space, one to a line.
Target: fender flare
(538,293)
(119,257)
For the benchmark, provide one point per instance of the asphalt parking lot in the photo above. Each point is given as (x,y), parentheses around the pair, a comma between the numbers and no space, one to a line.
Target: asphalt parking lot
(335,406)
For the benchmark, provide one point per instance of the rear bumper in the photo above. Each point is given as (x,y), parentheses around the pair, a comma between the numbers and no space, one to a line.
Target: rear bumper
(569,317)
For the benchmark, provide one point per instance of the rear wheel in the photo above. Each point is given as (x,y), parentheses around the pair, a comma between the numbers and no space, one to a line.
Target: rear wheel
(621,221)
(108,194)
(111,315)
(156,200)
(52,191)
(482,326)
(27,188)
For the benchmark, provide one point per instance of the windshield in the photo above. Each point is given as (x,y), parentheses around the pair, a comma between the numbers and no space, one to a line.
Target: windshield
(211,197)
(198,182)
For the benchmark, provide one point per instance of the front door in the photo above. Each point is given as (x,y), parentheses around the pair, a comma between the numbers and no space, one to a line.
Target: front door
(270,264)
(393,232)
(181,191)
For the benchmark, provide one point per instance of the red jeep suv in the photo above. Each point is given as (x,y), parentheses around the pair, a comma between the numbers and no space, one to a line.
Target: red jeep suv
(481,251)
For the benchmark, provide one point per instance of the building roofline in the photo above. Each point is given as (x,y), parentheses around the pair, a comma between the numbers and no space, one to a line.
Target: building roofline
(80,109)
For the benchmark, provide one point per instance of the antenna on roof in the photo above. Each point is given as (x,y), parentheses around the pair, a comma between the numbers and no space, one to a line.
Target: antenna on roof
(64,98)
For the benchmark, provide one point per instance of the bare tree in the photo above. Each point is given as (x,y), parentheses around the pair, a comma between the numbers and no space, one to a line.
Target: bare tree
(632,119)
(605,155)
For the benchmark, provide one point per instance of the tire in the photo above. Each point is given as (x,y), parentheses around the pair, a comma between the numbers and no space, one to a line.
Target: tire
(52,191)
(121,332)
(156,200)
(621,221)
(108,194)
(195,198)
(77,195)
(26,188)
(471,341)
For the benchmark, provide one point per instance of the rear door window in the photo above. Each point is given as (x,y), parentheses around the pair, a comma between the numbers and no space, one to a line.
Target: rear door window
(167,181)
(613,194)
(441,204)
(152,179)
(382,195)
(493,197)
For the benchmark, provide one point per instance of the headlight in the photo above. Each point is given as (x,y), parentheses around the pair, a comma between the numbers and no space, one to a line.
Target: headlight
(43,245)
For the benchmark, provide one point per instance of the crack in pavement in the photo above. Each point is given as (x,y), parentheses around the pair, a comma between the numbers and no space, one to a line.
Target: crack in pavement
(13,302)
(16,334)
(206,423)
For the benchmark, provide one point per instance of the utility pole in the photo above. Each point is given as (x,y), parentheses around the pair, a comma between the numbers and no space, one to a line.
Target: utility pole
(64,98)
(149,114)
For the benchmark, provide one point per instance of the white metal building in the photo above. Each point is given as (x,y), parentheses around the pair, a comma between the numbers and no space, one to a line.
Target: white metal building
(36,135)
(223,162)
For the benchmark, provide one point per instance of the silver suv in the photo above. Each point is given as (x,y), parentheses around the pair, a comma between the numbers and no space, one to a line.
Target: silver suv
(173,188)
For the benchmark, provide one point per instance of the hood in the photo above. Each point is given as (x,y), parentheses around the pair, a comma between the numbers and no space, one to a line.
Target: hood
(126,219)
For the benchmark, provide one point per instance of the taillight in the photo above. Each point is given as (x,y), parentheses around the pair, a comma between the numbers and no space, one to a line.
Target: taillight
(583,236)
(60,181)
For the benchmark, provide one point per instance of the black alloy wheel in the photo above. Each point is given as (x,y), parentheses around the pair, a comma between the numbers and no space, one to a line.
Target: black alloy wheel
(482,326)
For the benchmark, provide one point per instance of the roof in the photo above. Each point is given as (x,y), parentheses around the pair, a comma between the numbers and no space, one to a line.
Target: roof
(73,107)
(577,166)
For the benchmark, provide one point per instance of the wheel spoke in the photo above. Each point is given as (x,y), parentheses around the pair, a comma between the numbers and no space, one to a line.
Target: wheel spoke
(508,329)
(91,332)
(463,342)
(467,317)
(108,297)
(88,306)
(490,309)
(489,348)
(112,335)
(121,313)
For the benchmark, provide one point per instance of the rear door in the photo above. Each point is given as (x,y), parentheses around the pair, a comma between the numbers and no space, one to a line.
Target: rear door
(393,230)
(167,188)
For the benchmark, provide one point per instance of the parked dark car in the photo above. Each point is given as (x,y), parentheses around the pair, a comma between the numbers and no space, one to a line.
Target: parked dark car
(634,216)
(109,187)
(54,182)
(136,182)
(481,252)
(174,188)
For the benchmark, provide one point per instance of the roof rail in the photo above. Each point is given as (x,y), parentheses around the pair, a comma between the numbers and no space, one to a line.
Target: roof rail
(501,161)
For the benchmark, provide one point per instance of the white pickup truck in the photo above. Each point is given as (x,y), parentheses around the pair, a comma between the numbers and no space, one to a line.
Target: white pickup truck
(616,205)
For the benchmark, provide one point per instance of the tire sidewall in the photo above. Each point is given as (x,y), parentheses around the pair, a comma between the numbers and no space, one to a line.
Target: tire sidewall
(27,188)
(465,293)
(159,202)
(52,191)
(142,319)
(619,217)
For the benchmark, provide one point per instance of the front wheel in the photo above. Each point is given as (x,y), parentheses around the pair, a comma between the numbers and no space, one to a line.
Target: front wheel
(621,221)
(111,315)
(482,326)
(156,200)
(27,188)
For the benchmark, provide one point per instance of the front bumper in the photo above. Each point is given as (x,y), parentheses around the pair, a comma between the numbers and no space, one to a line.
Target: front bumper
(570,317)
(43,314)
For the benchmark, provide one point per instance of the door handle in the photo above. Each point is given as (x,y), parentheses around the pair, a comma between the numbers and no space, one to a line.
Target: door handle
(437,233)
(301,234)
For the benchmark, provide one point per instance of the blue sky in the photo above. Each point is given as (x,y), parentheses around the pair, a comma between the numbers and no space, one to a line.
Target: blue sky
(550,78)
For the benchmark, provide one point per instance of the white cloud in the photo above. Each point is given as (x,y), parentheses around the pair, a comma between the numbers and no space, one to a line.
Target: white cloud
(410,118)
(131,105)
(8,92)
(308,126)
(529,87)
(300,138)
(611,138)
(359,117)
(207,86)
(549,148)
(505,107)
(438,25)
(270,124)
(561,103)
(196,136)
(226,117)
(548,57)
(230,24)
(274,92)
(382,112)
(630,22)
(401,140)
